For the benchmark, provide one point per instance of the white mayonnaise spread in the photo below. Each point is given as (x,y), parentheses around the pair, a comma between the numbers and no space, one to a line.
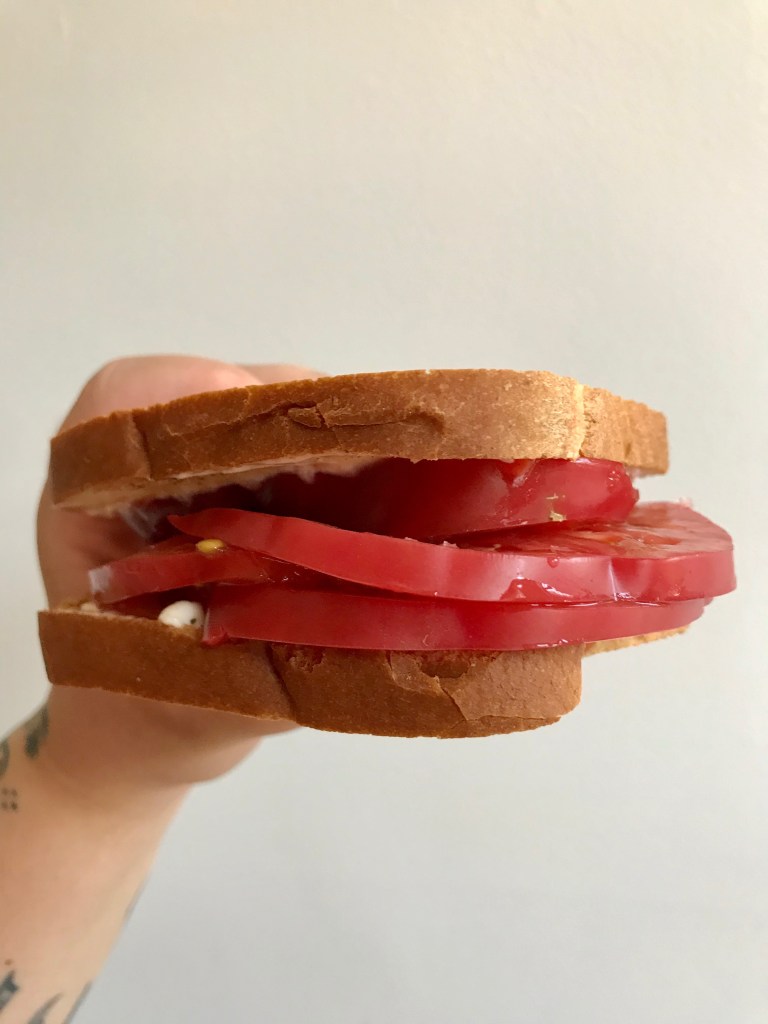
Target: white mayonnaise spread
(306,469)
(185,485)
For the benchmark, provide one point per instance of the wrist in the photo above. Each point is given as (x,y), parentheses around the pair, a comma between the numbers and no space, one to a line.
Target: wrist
(92,788)
(101,740)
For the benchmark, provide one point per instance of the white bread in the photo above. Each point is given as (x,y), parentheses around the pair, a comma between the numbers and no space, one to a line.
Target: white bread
(441,693)
(202,441)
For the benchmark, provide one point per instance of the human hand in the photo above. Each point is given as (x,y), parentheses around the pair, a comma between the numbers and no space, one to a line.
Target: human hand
(107,739)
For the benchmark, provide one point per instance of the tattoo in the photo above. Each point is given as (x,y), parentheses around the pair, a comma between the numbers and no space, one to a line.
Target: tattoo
(134,902)
(37,730)
(5,756)
(8,989)
(9,799)
(42,1013)
(81,999)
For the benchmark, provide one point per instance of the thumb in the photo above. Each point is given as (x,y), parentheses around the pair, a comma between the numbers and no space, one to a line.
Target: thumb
(70,543)
(141,381)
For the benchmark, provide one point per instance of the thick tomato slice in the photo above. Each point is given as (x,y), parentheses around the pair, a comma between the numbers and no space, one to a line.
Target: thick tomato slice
(448,497)
(426,500)
(323,618)
(177,563)
(664,552)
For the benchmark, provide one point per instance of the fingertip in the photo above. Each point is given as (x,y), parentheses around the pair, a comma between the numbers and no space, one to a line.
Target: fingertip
(277,373)
(141,381)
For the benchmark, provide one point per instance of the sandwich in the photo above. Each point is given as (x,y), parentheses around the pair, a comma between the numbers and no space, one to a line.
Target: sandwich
(417,553)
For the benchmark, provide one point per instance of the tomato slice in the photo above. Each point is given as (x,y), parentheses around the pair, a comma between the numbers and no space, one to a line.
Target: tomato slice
(282,614)
(664,552)
(427,500)
(447,497)
(177,563)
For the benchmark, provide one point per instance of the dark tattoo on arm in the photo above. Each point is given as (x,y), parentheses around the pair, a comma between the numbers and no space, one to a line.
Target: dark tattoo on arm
(132,905)
(8,989)
(5,756)
(36,731)
(80,1000)
(9,798)
(42,1014)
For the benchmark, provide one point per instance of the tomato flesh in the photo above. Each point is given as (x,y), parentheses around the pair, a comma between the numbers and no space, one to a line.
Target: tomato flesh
(448,497)
(281,614)
(426,500)
(664,552)
(177,563)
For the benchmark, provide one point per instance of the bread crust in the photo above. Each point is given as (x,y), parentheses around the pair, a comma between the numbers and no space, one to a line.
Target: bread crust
(138,454)
(440,693)
(618,644)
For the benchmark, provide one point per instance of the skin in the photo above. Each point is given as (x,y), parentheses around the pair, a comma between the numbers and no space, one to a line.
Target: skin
(91,782)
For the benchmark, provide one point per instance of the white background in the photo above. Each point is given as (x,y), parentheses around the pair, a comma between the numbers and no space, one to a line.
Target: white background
(577,186)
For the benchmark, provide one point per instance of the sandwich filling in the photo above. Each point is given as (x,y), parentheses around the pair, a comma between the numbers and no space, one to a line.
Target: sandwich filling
(471,554)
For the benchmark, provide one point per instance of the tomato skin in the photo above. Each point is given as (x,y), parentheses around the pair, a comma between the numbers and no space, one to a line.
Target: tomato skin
(684,556)
(176,564)
(281,614)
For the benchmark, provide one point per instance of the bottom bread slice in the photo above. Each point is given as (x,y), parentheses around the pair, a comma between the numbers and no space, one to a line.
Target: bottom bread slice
(603,646)
(386,693)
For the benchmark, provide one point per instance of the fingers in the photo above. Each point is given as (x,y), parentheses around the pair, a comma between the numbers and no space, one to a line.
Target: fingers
(276,373)
(141,381)
(70,543)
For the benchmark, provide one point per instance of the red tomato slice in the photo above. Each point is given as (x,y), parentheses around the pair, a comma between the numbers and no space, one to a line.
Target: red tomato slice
(176,563)
(449,497)
(665,552)
(425,500)
(333,619)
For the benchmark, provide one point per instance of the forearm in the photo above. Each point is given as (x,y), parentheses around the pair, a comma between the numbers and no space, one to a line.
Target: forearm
(85,806)
(72,859)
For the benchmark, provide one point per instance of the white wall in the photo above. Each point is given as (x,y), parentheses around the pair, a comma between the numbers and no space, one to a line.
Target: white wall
(580,186)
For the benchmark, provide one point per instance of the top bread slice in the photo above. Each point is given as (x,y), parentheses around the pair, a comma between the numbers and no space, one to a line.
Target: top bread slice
(199,442)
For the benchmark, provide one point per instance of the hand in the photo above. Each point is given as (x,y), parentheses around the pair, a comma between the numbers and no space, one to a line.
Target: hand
(103,739)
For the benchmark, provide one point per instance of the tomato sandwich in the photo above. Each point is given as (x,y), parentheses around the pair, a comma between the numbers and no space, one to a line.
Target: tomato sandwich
(421,553)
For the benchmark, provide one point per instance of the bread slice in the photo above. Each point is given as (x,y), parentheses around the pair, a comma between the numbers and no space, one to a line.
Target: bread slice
(441,693)
(447,694)
(202,441)
(604,646)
